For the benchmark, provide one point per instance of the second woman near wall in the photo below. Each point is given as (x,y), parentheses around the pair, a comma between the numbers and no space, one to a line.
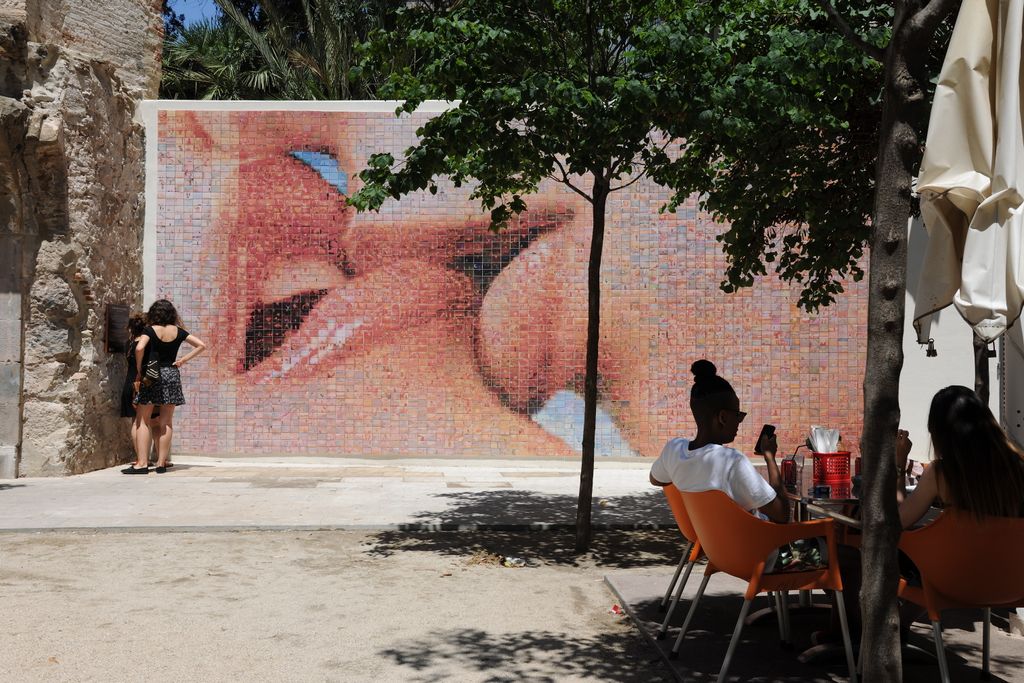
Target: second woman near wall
(136,328)
(161,339)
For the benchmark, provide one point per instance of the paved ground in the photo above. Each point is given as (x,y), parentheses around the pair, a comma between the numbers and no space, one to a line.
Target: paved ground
(317,606)
(348,570)
(759,656)
(330,493)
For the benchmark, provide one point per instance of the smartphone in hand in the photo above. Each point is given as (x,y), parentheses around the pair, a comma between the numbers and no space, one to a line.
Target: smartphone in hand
(766,431)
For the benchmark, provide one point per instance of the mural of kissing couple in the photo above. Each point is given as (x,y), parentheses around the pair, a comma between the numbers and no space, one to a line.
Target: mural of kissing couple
(418,332)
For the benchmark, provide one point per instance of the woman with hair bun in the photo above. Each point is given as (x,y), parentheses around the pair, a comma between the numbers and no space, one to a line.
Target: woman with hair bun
(705,462)
(162,339)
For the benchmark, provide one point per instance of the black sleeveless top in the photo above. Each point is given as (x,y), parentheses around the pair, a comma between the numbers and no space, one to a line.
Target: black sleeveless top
(166,352)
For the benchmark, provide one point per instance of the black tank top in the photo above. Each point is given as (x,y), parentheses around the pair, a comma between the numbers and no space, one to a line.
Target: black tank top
(166,352)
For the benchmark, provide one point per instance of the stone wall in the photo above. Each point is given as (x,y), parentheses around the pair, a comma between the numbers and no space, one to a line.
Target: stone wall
(71,215)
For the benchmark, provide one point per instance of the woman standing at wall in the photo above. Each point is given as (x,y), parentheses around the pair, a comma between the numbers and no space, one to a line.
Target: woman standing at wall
(162,339)
(136,327)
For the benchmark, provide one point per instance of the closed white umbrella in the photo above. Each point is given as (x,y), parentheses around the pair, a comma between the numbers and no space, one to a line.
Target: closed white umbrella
(972,176)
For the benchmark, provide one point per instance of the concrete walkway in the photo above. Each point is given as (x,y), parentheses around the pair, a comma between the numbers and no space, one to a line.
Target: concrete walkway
(207,493)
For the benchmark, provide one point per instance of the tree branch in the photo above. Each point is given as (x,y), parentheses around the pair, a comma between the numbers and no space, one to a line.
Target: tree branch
(640,175)
(928,18)
(876,53)
(568,183)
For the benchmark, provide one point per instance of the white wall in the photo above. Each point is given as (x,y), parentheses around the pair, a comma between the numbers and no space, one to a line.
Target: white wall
(923,376)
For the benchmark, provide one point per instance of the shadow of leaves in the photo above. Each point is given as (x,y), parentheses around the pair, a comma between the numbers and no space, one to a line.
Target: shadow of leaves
(609,548)
(510,508)
(527,656)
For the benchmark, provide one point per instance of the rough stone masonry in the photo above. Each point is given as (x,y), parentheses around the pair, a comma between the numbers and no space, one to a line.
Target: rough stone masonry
(72,73)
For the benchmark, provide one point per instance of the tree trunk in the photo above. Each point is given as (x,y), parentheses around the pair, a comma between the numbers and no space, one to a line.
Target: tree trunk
(899,149)
(886,290)
(584,504)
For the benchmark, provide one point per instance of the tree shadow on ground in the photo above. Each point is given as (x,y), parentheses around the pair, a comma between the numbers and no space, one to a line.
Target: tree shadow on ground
(759,656)
(614,549)
(509,509)
(528,656)
(961,632)
(4,487)
(630,531)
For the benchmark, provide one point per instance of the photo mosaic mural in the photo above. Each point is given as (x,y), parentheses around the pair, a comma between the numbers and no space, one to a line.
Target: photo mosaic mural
(417,332)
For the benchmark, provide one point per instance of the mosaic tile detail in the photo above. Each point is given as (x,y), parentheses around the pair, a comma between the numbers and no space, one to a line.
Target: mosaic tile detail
(415,331)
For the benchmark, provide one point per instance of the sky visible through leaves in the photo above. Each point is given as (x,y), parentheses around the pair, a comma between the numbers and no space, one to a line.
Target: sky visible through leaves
(195,10)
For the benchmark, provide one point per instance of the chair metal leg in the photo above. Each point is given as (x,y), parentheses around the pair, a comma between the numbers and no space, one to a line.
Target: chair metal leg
(940,651)
(841,606)
(784,610)
(675,577)
(986,642)
(777,599)
(735,640)
(675,601)
(689,616)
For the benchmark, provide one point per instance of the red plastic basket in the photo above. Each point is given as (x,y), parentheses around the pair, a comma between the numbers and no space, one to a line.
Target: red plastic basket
(831,468)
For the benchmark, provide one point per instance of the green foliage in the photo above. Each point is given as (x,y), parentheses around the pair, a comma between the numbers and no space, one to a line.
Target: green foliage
(771,115)
(542,89)
(782,136)
(278,49)
(212,61)
(308,47)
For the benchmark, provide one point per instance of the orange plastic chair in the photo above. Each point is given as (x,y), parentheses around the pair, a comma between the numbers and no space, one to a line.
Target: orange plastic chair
(691,554)
(965,563)
(740,544)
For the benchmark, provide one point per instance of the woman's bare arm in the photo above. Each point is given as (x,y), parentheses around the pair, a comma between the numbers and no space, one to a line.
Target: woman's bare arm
(199,346)
(917,503)
(140,352)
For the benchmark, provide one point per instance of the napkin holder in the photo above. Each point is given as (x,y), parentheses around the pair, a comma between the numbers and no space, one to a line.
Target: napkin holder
(830,468)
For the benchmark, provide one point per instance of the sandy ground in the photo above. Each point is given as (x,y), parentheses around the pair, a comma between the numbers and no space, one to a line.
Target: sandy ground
(319,606)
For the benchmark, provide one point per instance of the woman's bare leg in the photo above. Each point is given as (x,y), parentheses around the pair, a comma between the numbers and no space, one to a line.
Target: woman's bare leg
(156,430)
(133,435)
(163,444)
(143,435)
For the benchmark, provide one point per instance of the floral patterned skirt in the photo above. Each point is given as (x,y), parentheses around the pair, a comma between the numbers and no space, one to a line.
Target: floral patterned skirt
(166,392)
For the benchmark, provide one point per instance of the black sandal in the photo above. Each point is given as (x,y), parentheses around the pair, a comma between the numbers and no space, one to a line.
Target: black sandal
(133,470)
(161,469)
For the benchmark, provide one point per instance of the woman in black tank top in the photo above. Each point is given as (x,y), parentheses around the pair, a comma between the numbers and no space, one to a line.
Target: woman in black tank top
(977,469)
(161,341)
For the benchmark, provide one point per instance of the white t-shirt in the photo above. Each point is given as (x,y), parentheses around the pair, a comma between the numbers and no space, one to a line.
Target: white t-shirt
(713,467)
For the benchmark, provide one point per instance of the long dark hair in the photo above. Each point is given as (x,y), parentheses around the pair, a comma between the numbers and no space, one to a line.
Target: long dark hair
(162,312)
(982,470)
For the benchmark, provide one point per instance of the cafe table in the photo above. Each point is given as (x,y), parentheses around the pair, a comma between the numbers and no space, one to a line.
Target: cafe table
(838,501)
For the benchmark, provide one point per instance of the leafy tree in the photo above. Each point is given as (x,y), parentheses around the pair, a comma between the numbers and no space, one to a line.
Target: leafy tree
(545,89)
(307,47)
(780,137)
(792,114)
(211,60)
(806,141)
(906,82)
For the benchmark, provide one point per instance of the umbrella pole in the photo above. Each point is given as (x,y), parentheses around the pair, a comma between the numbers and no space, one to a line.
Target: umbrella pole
(981,369)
